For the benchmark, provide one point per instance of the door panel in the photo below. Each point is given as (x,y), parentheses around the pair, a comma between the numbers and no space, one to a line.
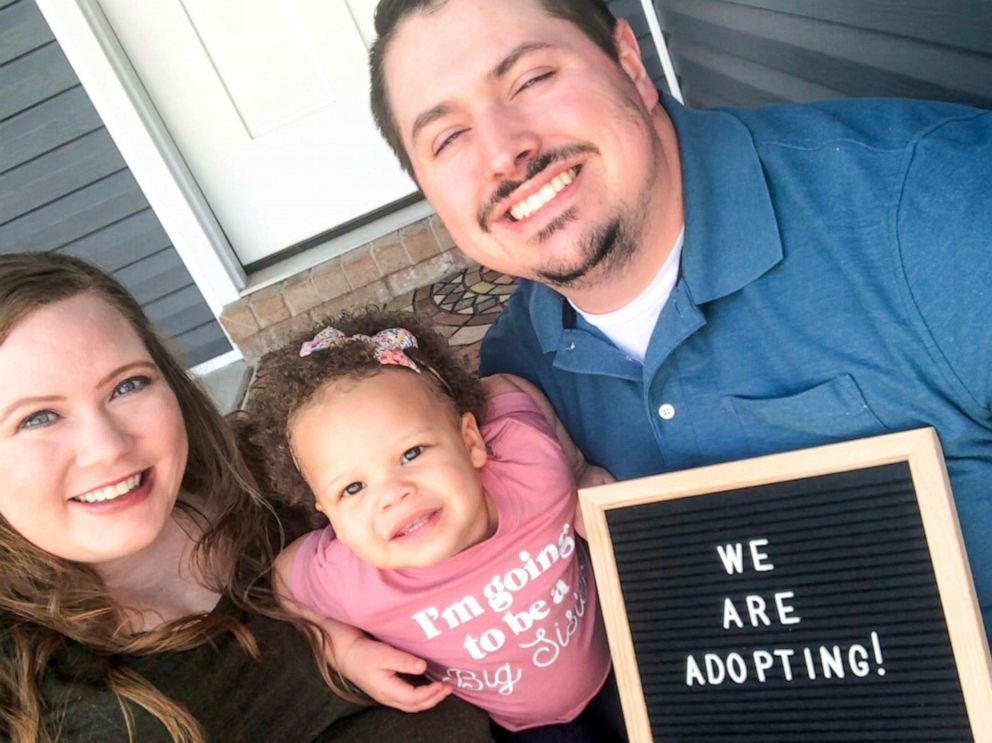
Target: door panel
(268,103)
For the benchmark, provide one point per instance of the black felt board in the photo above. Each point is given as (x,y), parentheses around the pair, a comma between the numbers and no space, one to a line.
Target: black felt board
(851,549)
(818,595)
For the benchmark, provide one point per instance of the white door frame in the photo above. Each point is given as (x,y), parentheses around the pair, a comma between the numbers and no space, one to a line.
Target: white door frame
(120,99)
(661,46)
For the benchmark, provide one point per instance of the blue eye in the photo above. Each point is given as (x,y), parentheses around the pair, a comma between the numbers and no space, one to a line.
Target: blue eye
(412,453)
(38,420)
(131,384)
(352,489)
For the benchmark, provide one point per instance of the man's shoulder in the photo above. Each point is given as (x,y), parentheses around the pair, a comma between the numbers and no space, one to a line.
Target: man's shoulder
(883,123)
(513,341)
(526,296)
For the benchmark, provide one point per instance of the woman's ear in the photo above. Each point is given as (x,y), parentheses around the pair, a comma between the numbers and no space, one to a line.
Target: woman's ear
(474,443)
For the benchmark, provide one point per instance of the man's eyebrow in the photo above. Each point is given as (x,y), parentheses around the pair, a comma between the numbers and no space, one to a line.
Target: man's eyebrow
(427,117)
(442,109)
(511,59)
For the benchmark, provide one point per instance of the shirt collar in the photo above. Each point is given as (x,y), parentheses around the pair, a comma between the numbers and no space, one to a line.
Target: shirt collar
(731,234)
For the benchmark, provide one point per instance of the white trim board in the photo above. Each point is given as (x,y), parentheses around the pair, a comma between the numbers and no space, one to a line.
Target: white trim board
(336,246)
(217,362)
(661,46)
(92,49)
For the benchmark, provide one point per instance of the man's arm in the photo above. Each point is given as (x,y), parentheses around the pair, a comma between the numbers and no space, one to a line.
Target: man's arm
(510,345)
(586,475)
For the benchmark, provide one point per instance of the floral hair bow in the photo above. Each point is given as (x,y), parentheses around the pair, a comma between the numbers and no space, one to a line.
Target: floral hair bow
(388,346)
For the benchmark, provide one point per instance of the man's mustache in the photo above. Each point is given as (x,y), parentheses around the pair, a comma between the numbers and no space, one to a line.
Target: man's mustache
(534,168)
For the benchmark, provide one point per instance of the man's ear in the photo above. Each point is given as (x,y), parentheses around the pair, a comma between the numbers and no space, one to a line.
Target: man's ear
(629,53)
(474,443)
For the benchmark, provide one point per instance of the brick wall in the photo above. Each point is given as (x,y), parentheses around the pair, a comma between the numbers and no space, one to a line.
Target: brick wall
(375,273)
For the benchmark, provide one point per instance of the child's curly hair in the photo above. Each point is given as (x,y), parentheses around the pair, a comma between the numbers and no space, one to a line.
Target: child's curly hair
(287,381)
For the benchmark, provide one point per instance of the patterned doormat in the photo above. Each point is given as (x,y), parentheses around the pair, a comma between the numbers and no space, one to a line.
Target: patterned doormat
(462,307)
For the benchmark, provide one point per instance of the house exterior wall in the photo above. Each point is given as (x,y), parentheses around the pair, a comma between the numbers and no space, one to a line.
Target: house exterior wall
(65,187)
(749,52)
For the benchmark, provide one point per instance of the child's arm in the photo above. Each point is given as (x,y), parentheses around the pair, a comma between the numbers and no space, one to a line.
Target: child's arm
(371,665)
(586,475)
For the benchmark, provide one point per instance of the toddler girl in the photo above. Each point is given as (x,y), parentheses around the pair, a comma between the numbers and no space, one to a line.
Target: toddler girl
(452,515)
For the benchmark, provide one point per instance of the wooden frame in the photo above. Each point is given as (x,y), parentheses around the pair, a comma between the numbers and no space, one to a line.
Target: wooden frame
(919,448)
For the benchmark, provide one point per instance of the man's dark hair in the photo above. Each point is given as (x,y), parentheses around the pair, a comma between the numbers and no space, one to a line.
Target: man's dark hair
(592,17)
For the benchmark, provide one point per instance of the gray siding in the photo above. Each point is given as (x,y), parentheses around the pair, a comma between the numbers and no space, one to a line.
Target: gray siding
(65,187)
(749,52)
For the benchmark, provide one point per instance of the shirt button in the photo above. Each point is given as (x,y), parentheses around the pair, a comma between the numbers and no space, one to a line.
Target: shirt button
(666,411)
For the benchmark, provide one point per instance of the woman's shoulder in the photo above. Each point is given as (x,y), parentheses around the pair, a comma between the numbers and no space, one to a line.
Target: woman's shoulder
(83,709)
(452,721)
(234,697)
(280,696)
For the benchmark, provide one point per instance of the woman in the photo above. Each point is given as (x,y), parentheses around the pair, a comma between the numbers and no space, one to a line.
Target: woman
(134,548)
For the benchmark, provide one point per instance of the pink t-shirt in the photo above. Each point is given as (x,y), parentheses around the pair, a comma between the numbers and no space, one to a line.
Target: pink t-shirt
(513,622)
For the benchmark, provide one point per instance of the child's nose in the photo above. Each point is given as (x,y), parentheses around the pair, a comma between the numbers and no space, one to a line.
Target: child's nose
(393,491)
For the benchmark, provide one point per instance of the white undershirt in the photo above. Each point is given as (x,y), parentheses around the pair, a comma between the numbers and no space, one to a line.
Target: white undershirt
(631,326)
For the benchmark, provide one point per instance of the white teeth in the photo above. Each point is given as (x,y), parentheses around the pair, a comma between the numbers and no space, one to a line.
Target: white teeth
(410,528)
(534,202)
(111,491)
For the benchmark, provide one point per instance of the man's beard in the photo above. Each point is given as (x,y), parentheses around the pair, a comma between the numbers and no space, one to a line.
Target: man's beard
(606,250)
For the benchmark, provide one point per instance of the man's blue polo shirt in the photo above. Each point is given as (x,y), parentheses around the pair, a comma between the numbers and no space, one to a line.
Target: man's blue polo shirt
(835,284)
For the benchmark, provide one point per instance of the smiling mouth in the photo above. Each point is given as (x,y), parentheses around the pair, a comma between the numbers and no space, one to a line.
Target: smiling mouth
(111,492)
(530,206)
(414,526)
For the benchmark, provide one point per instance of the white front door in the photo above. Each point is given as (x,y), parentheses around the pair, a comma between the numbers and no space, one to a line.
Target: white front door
(268,104)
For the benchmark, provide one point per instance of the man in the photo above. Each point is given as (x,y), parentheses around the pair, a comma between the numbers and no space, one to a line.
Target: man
(703,285)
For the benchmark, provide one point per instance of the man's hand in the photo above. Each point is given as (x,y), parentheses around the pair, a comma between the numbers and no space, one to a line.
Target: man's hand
(591,476)
(374,667)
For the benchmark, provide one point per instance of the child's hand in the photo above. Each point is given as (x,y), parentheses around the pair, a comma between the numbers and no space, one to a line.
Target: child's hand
(374,667)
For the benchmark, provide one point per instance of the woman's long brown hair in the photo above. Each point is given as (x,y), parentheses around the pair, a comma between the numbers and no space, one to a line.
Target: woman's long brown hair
(47,603)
